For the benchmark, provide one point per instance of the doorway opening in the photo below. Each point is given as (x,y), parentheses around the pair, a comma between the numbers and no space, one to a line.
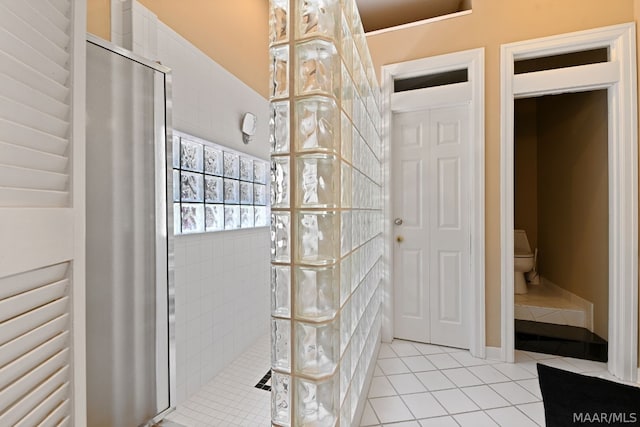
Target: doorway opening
(618,77)
(561,224)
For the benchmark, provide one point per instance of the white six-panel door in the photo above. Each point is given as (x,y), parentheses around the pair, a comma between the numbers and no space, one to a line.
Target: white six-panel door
(411,299)
(432,237)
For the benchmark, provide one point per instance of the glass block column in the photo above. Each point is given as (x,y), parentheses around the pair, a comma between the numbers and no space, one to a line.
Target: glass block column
(326,211)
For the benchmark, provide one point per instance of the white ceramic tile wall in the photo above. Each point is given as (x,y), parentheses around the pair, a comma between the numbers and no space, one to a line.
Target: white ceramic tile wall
(121,23)
(144,34)
(550,303)
(209,102)
(222,279)
(558,316)
(222,301)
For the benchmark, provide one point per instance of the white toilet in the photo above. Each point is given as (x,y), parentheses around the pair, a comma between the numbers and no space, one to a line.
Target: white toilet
(523,260)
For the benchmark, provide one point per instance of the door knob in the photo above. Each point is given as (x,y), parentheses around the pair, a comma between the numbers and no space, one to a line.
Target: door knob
(398,221)
(399,239)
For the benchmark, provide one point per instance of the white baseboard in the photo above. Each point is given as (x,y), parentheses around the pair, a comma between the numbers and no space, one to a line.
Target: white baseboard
(493,353)
(367,382)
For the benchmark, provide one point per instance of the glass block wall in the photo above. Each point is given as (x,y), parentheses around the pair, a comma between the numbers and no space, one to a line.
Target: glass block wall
(326,211)
(216,188)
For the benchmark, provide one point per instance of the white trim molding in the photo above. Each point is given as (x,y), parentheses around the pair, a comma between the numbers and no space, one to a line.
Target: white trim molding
(78,137)
(618,76)
(419,23)
(473,91)
(493,353)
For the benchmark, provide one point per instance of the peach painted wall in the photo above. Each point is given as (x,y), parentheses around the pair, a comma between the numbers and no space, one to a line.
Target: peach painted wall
(491,24)
(99,18)
(525,161)
(234,33)
(573,197)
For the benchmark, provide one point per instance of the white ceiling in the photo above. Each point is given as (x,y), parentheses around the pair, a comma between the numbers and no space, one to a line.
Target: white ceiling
(378,14)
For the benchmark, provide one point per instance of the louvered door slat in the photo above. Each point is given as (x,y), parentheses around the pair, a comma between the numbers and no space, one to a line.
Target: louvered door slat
(26,95)
(48,406)
(31,77)
(13,46)
(57,415)
(39,22)
(61,5)
(66,422)
(24,323)
(29,34)
(31,117)
(12,197)
(32,359)
(32,159)
(47,10)
(12,396)
(35,103)
(30,400)
(24,343)
(32,179)
(17,134)
(14,285)
(26,301)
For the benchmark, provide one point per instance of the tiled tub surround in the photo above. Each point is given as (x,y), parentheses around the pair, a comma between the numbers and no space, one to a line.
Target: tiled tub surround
(222,301)
(548,303)
(326,205)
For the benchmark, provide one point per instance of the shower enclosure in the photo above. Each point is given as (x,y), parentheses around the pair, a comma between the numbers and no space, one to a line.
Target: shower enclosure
(130,352)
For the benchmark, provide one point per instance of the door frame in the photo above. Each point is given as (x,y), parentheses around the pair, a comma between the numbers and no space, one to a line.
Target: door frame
(472,92)
(618,76)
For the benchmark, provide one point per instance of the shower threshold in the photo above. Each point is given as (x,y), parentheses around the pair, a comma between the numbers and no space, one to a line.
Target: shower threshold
(561,340)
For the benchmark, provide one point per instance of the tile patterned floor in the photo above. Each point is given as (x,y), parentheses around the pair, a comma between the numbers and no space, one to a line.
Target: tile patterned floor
(420,385)
(231,398)
(414,385)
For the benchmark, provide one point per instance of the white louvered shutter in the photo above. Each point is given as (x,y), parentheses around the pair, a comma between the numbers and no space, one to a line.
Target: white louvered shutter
(41,208)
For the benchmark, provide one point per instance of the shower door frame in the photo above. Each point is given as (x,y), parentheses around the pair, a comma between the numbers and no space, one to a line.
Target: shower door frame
(618,76)
(164,214)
